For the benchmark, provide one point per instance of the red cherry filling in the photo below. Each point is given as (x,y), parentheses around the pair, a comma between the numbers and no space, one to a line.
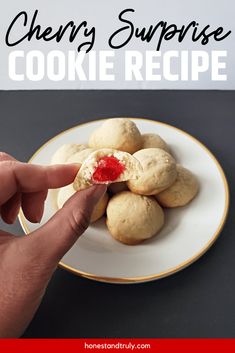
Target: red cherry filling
(108,169)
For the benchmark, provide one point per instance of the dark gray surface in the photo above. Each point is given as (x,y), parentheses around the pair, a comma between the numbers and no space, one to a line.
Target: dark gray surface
(197,302)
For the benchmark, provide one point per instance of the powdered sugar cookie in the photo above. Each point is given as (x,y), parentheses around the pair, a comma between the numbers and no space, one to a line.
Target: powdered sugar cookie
(159,172)
(64,152)
(133,218)
(80,156)
(182,191)
(117,133)
(154,141)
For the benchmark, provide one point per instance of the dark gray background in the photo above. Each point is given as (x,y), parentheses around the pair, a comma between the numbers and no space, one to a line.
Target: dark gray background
(197,302)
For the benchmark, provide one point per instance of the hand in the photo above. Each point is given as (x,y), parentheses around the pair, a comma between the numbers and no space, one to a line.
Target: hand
(28,262)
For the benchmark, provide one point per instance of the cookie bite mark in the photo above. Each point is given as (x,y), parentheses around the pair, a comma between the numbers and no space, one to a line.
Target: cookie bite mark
(109,169)
(107,166)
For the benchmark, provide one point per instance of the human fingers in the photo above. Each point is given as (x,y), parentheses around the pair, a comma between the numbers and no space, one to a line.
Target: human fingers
(11,208)
(33,205)
(26,178)
(56,237)
(6,157)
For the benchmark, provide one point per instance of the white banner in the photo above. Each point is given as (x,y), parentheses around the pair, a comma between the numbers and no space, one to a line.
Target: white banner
(103,44)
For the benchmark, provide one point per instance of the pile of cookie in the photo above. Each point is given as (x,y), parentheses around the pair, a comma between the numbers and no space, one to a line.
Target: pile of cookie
(134,208)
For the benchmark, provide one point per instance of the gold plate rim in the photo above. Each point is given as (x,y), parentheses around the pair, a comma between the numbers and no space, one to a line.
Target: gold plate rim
(141,279)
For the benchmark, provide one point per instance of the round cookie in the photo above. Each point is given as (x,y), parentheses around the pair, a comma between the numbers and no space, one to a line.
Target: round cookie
(117,133)
(65,151)
(182,191)
(132,218)
(154,141)
(66,192)
(159,172)
(79,157)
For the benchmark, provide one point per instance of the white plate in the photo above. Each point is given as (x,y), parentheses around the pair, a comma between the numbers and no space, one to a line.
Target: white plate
(188,233)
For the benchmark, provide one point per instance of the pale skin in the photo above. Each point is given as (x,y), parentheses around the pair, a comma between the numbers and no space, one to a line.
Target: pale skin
(28,262)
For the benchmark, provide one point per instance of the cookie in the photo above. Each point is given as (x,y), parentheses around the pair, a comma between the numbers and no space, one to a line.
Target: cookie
(132,218)
(118,133)
(154,141)
(66,192)
(182,191)
(80,156)
(65,152)
(159,172)
(106,166)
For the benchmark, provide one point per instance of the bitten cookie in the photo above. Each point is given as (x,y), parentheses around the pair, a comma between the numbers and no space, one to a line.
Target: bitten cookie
(133,218)
(64,152)
(182,191)
(66,192)
(106,166)
(159,172)
(154,141)
(117,133)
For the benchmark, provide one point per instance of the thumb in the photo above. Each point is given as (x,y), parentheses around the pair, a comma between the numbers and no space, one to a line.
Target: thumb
(58,235)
